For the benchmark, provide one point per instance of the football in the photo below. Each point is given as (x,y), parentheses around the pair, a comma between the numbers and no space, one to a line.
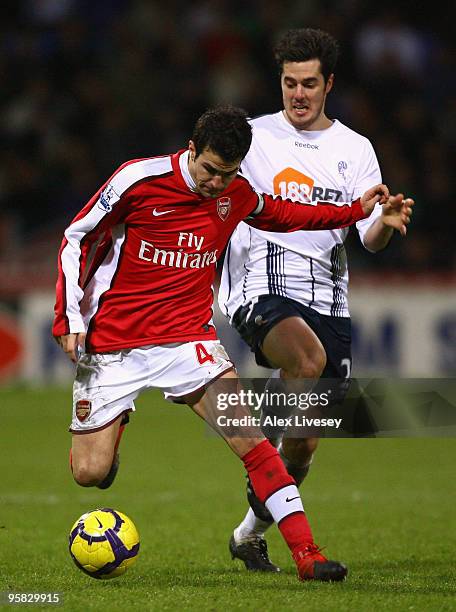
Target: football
(104,543)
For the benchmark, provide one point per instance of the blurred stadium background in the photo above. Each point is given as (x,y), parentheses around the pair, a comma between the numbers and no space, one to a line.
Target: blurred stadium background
(87,85)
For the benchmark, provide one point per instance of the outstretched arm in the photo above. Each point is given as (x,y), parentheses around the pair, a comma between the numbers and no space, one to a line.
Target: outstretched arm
(279,215)
(396,213)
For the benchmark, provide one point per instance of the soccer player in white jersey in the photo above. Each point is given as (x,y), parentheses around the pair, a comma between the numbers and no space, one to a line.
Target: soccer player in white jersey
(286,294)
(134,305)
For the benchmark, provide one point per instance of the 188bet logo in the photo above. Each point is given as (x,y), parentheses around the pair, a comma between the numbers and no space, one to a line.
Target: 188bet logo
(104,543)
(294,185)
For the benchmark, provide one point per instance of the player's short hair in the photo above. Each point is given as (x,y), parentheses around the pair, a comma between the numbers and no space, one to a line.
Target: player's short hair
(304,44)
(225,130)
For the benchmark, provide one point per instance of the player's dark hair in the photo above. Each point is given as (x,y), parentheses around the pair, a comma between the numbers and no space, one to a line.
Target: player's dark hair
(304,44)
(226,131)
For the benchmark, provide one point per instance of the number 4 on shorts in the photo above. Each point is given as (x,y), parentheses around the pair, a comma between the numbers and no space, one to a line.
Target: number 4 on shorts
(202,355)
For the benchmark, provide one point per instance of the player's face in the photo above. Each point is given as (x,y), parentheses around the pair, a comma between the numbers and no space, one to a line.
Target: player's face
(211,173)
(304,94)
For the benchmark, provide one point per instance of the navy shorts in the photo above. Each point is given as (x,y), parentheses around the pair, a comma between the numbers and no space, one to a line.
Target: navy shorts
(254,322)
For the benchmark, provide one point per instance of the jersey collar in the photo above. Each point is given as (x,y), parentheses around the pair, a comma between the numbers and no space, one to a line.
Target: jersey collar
(183,165)
(179,161)
(309,134)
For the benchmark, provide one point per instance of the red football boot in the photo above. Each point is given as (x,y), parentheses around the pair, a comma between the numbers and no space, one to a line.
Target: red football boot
(312,565)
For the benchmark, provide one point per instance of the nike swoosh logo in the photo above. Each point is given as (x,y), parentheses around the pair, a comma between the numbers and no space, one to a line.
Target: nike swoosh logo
(99,523)
(159,214)
(292,498)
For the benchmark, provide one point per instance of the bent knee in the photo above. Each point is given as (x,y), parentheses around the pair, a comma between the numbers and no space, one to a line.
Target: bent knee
(299,450)
(309,365)
(87,475)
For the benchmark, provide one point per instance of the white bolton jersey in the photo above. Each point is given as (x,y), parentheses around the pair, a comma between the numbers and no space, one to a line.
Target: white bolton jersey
(334,165)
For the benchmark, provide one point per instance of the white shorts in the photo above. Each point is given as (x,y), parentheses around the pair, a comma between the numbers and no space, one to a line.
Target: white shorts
(107,383)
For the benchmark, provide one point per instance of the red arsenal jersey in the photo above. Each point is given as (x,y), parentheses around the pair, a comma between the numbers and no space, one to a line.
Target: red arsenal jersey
(137,264)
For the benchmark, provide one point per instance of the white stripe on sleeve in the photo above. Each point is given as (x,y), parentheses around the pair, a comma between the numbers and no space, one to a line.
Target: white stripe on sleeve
(70,257)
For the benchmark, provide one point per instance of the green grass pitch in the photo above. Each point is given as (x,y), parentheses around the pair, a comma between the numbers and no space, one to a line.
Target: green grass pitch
(385,507)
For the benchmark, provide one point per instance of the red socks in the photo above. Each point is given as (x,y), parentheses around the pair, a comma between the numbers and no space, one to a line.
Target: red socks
(277,490)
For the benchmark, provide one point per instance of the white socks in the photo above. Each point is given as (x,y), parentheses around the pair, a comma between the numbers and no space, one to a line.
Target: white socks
(250,526)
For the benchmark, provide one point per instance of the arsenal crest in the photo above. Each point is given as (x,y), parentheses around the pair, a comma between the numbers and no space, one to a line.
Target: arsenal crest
(83,409)
(223,208)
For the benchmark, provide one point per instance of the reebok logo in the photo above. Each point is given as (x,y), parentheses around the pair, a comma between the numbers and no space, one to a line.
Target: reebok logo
(163,212)
(306,145)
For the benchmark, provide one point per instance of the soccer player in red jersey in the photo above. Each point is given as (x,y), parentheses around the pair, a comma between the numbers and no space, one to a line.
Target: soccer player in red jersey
(134,305)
